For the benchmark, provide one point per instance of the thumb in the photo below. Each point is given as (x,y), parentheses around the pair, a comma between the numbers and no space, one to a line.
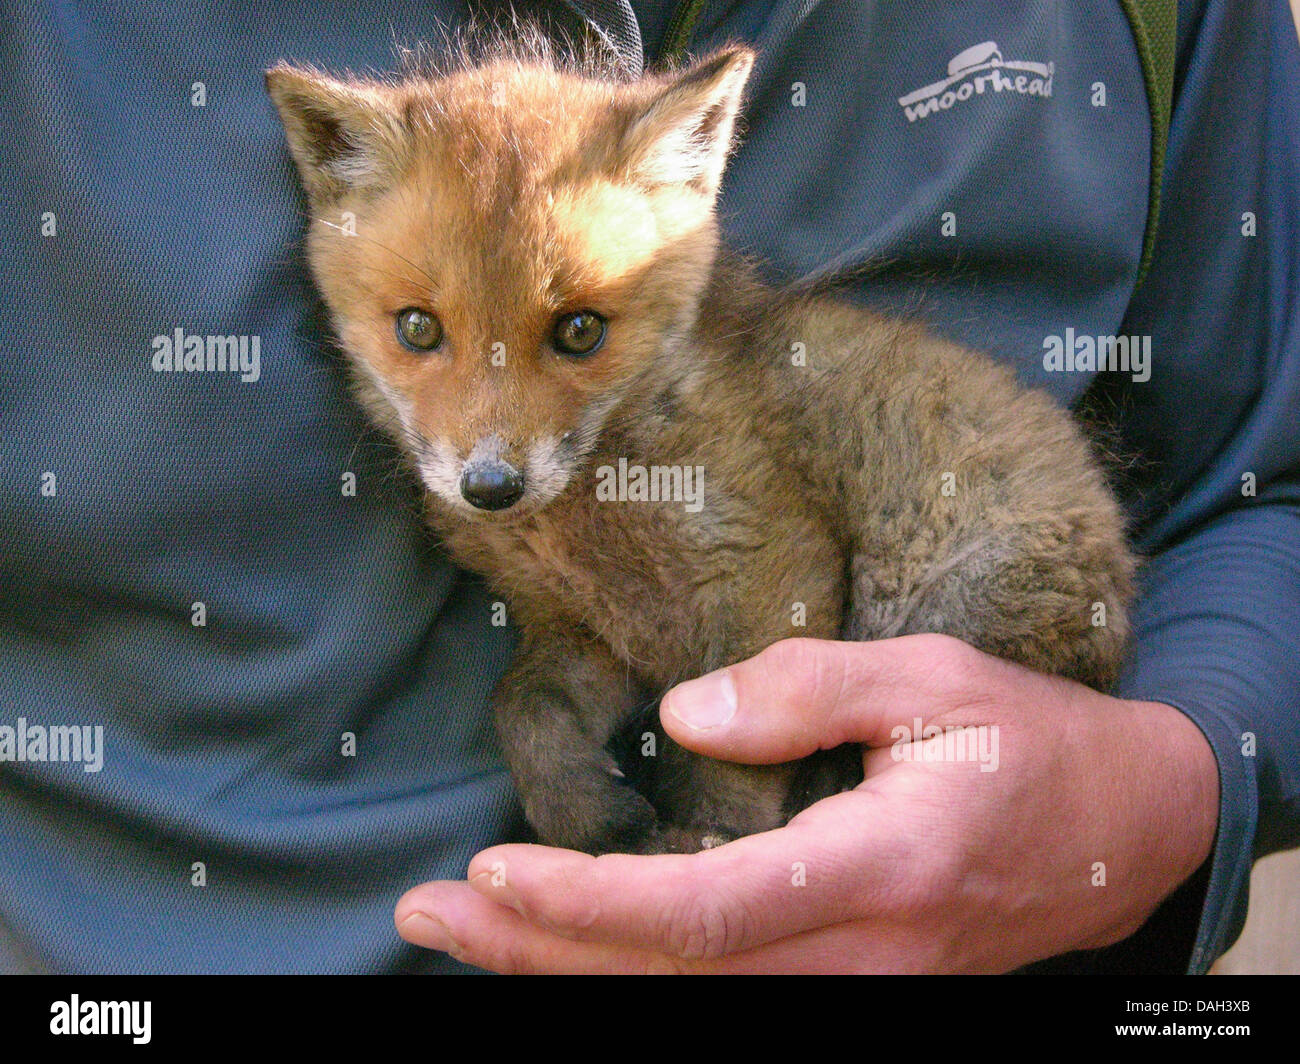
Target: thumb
(802,695)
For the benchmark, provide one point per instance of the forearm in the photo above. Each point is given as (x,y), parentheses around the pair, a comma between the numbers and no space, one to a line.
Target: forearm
(1216,638)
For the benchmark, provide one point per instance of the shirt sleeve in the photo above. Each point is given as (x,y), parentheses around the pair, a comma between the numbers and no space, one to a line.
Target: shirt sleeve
(1216,490)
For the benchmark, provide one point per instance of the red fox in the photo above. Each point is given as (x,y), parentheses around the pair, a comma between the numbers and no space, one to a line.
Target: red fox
(662,465)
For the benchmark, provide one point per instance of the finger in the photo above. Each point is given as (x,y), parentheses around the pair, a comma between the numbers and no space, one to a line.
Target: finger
(838,860)
(455,919)
(802,695)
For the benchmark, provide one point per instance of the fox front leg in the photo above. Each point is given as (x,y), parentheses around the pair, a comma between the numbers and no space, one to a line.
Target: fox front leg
(556,708)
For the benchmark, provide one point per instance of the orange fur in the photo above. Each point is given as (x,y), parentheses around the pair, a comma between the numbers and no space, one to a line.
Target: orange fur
(503,195)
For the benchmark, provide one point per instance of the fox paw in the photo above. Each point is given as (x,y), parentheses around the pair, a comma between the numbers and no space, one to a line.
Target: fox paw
(670,838)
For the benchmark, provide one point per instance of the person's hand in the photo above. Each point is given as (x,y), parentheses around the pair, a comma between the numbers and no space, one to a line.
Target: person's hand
(1097,809)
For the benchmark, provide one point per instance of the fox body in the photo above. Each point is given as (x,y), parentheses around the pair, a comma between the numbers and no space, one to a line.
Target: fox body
(522,262)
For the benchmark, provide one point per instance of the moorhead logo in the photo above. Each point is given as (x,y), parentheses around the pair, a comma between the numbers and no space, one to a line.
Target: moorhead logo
(977,71)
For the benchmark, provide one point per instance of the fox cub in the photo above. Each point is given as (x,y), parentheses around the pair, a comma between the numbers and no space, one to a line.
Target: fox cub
(660,464)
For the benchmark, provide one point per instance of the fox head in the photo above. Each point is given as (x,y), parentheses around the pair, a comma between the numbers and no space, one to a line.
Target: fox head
(505,249)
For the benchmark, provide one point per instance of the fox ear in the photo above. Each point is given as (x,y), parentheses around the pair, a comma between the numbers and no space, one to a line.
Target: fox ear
(683,134)
(343,137)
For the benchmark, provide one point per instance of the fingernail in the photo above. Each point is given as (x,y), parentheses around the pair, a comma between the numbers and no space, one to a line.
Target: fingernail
(502,893)
(431,933)
(708,702)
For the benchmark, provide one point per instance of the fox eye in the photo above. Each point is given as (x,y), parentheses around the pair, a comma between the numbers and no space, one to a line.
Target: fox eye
(418,330)
(580,333)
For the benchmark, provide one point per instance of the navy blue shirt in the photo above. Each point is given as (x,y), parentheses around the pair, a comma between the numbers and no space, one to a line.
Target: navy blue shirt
(226,574)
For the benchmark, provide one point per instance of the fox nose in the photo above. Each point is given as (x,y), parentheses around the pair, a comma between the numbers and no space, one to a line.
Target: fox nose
(492,487)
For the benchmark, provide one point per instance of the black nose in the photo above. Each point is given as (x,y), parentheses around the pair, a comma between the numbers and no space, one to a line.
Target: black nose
(492,487)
